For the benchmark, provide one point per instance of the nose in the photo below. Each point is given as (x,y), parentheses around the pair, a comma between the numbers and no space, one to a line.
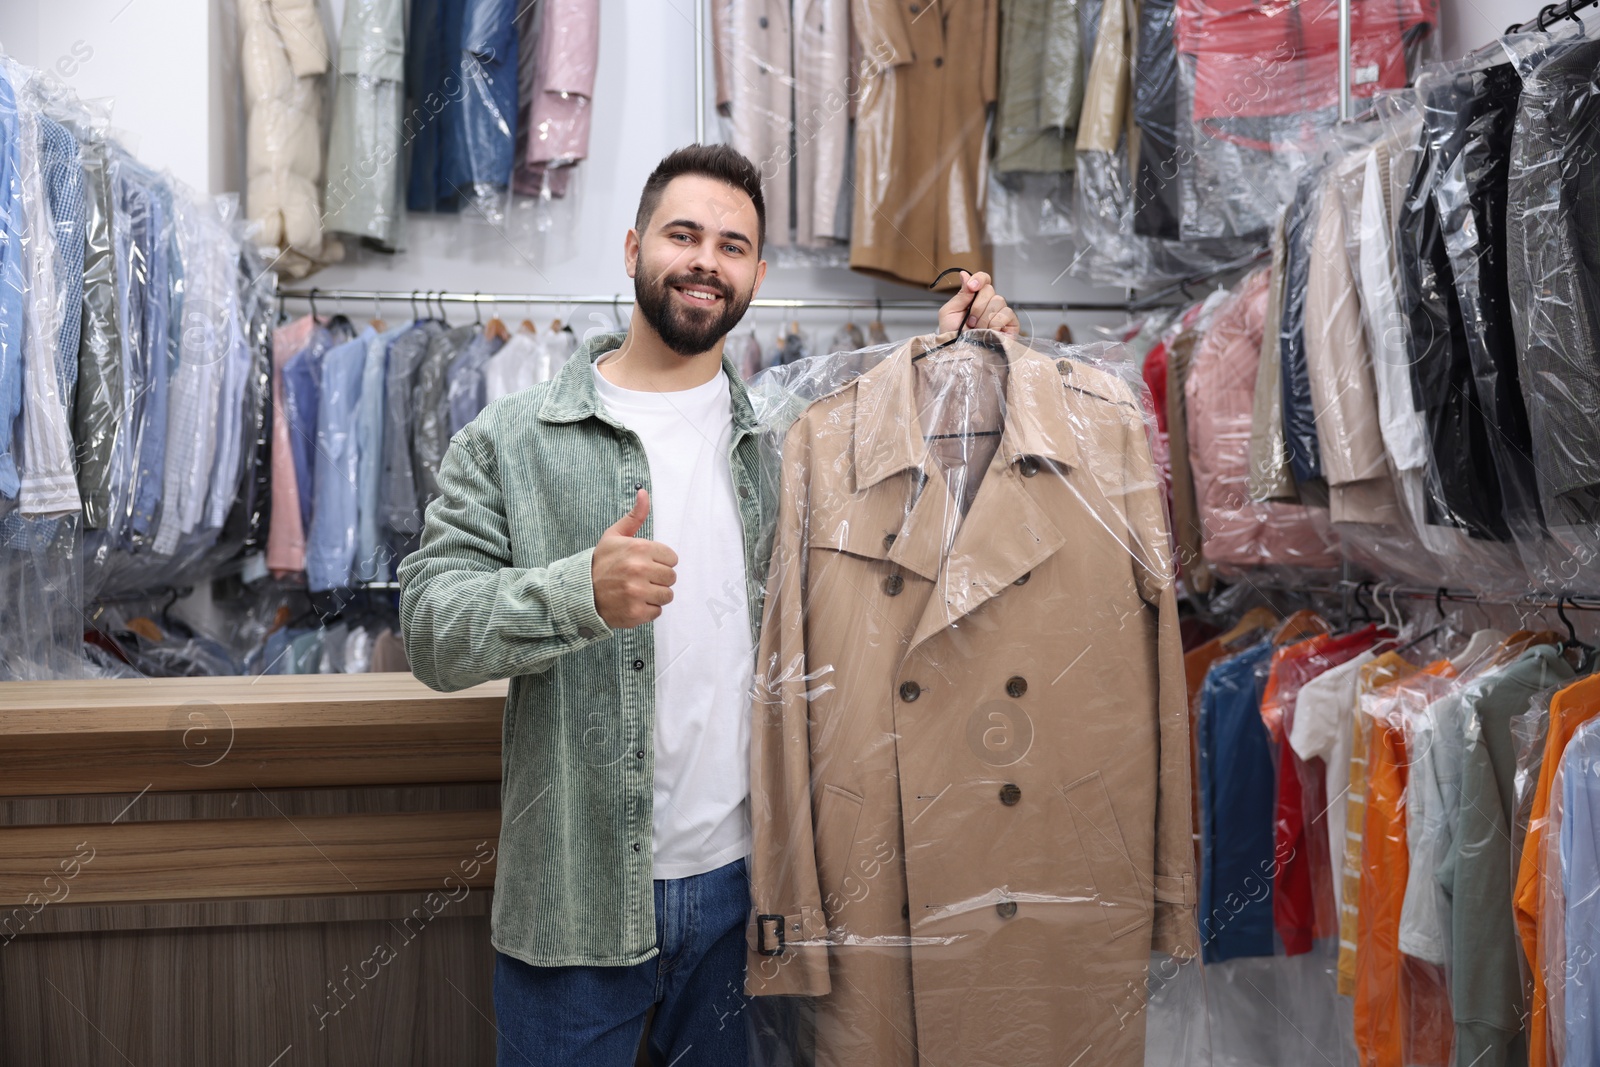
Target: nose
(702,258)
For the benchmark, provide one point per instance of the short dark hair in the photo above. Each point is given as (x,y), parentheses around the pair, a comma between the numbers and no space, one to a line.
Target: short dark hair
(722,162)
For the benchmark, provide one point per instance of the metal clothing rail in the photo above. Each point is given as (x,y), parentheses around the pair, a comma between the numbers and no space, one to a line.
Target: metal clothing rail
(1549,14)
(398,296)
(1373,589)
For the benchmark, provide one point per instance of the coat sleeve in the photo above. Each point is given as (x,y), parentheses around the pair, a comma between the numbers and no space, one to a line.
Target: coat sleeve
(881,29)
(1175,888)
(783,868)
(469,616)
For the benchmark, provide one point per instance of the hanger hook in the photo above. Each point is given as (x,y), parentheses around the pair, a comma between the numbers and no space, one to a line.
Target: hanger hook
(1543,11)
(1561,613)
(1438,602)
(880,308)
(414,314)
(377,308)
(311,298)
(961,329)
(477,306)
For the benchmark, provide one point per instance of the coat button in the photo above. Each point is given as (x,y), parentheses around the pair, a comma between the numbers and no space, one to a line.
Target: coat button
(915,8)
(1015,687)
(762,22)
(585,633)
(638,664)
(938,61)
(905,911)
(893,584)
(888,540)
(1024,579)
(1010,793)
(1029,466)
(910,691)
(1006,908)
(744,492)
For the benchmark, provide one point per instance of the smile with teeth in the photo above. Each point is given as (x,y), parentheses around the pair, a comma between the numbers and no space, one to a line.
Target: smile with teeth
(699,296)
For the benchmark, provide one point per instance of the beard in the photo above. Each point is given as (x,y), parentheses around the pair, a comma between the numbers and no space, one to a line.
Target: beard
(687,330)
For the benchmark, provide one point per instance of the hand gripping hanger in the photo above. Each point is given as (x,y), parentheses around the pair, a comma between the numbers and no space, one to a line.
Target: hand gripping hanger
(961,334)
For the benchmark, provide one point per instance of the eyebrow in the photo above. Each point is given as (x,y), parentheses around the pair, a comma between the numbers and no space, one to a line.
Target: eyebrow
(690,224)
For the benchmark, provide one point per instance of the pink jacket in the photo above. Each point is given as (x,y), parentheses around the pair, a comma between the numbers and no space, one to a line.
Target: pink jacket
(286,538)
(560,111)
(1220,394)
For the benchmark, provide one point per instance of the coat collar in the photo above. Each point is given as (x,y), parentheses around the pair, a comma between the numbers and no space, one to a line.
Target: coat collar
(572,396)
(1008,530)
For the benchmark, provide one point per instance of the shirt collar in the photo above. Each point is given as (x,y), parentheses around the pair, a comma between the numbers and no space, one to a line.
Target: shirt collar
(888,433)
(573,396)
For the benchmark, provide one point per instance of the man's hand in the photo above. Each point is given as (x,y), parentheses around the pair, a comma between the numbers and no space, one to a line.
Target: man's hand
(989,310)
(632,577)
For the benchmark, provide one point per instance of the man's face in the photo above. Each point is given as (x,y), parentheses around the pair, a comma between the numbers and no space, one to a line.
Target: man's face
(695,266)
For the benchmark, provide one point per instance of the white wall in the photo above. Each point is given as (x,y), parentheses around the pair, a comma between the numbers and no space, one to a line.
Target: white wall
(171,69)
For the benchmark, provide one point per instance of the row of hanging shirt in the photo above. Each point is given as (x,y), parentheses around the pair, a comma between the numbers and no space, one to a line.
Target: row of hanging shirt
(363,419)
(1433,816)
(1413,378)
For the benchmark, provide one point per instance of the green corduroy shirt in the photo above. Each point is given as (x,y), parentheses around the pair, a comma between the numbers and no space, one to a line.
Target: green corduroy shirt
(501,588)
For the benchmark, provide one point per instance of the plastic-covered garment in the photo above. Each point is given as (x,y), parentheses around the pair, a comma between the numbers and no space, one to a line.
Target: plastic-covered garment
(486,134)
(1299,416)
(1463,483)
(929,709)
(921,134)
(555,122)
(1569,709)
(791,76)
(1041,86)
(1156,201)
(1220,396)
(1260,86)
(365,192)
(1486,986)
(1402,1007)
(1579,818)
(1270,476)
(1552,198)
(284,55)
(95,423)
(1237,790)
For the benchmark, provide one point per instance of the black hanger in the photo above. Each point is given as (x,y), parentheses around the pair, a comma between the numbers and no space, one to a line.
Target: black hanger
(311,298)
(477,308)
(1587,651)
(961,331)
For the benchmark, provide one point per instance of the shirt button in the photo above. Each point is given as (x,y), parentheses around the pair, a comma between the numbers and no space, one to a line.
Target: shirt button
(1015,687)
(1006,909)
(1010,794)
(638,485)
(638,664)
(636,846)
(585,633)
(1029,466)
(1024,579)
(888,540)
(893,584)
(640,753)
(744,492)
(910,691)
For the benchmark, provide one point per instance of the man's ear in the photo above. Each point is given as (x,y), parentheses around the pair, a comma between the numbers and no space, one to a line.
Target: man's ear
(761,272)
(630,253)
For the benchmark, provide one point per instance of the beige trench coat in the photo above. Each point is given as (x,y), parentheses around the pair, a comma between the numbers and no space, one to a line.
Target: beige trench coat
(970,745)
(921,131)
(768,64)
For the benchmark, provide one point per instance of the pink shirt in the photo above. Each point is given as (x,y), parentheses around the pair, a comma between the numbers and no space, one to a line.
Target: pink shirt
(286,539)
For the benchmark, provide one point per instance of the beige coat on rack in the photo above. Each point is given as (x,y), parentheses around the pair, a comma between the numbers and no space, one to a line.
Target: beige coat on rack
(284,57)
(771,63)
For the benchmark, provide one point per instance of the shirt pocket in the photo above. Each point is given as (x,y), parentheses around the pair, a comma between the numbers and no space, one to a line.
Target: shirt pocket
(1115,880)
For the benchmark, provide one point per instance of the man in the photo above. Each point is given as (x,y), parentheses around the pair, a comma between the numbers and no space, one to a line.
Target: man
(629,642)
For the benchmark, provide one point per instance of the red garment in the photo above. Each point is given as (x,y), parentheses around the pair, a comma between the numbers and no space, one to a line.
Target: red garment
(1267,57)
(1303,907)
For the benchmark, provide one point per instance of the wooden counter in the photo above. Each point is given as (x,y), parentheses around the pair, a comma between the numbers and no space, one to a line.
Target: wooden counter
(225,871)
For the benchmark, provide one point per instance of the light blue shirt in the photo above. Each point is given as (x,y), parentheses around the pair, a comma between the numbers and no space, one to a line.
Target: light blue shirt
(1580,880)
(331,540)
(11,287)
(155,357)
(374,559)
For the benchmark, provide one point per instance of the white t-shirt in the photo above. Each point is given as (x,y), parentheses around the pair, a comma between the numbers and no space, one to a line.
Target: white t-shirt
(704,654)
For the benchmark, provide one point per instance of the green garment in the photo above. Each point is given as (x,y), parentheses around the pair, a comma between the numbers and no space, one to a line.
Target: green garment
(1041,86)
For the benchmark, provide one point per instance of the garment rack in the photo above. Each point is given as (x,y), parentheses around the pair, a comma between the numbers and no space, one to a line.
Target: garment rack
(1437,594)
(399,296)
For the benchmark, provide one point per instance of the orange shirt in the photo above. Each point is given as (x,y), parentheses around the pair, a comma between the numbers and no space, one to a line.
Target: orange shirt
(1402,1006)
(1569,709)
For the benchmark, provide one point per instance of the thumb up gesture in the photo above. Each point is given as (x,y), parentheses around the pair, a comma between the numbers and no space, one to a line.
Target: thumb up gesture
(632,577)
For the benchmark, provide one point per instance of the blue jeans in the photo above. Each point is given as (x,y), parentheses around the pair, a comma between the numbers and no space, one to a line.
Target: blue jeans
(595,1016)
